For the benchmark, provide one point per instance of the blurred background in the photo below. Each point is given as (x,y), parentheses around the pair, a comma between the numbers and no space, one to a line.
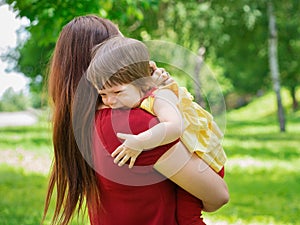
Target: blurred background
(252,49)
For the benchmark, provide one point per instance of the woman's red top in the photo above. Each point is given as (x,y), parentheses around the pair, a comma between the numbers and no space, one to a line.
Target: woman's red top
(137,196)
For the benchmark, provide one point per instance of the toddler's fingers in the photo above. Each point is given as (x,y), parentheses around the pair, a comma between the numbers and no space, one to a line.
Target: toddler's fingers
(156,76)
(124,160)
(119,157)
(117,151)
(160,76)
(132,161)
(152,66)
(169,80)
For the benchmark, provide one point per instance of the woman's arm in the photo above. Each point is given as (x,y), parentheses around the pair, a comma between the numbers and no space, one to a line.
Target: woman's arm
(192,174)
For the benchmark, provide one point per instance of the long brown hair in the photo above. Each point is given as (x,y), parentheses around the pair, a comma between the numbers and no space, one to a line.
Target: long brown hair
(120,60)
(71,174)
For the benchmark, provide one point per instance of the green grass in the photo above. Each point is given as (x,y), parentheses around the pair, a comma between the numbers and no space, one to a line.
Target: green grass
(23,184)
(262,170)
(21,196)
(262,175)
(33,138)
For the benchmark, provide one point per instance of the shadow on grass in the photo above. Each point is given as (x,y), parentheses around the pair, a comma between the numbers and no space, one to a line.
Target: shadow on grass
(262,152)
(262,140)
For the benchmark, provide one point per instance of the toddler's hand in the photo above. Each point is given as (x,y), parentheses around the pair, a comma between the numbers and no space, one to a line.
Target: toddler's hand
(159,75)
(129,150)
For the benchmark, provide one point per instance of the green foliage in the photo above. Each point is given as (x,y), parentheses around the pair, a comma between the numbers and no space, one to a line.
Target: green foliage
(47,19)
(13,101)
(289,43)
(242,48)
(234,33)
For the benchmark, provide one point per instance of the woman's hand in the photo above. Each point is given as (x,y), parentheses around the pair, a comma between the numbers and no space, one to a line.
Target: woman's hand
(129,150)
(159,75)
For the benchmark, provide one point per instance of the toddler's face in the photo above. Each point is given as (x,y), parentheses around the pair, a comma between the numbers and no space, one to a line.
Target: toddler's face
(121,96)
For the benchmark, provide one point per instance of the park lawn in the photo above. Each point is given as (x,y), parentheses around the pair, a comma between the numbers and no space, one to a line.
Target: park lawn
(22,195)
(262,169)
(36,138)
(261,172)
(262,175)
(25,160)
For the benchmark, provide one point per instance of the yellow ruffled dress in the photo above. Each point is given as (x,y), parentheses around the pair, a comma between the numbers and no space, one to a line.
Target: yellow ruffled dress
(201,134)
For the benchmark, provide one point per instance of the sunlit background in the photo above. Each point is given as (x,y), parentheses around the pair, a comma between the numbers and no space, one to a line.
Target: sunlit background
(9,24)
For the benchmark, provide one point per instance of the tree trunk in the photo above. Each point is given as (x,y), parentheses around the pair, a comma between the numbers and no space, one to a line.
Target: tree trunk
(197,84)
(273,63)
(294,98)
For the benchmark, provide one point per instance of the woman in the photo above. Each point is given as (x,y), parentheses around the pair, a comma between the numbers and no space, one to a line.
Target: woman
(73,174)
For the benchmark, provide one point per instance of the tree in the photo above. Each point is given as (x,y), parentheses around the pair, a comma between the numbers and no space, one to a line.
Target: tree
(234,34)
(273,61)
(199,62)
(48,17)
(13,101)
(287,18)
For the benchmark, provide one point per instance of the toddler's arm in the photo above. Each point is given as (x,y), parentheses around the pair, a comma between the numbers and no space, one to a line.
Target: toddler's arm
(169,129)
